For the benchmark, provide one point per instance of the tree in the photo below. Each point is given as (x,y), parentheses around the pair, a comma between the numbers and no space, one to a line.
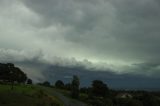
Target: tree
(29,81)
(5,72)
(99,88)
(10,73)
(59,84)
(19,75)
(75,87)
(46,83)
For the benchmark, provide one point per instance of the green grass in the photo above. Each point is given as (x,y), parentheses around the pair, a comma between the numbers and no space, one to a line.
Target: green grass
(26,95)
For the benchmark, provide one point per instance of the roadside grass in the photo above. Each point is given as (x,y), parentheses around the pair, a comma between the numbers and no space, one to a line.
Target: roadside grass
(49,91)
(82,96)
(26,95)
(64,92)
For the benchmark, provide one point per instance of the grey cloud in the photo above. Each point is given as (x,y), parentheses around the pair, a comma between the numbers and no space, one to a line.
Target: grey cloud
(38,57)
(101,35)
(129,27)
(39,61)
(79,15)
(151,69)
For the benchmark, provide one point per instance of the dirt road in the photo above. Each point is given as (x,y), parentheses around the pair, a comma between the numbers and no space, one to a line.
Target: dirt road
(67,101)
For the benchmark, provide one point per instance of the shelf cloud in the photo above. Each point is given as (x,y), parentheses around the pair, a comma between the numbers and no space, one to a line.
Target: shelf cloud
(116,36)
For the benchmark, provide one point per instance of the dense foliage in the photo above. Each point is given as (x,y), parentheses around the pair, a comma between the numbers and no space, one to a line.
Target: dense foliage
(10,73)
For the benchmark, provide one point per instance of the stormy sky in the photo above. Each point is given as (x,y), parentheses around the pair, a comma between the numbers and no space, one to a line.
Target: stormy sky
(120,36)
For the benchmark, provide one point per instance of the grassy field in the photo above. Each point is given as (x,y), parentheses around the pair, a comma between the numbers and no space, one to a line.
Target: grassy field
(26,95)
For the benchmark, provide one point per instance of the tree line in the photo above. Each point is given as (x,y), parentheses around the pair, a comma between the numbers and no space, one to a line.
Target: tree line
(99,94)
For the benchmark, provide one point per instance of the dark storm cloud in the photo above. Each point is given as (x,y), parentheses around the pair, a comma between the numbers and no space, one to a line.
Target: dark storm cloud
(72,13)
(113,80)
(40,69)
(38,61)
(140,24)
(129,27)
(121,36)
